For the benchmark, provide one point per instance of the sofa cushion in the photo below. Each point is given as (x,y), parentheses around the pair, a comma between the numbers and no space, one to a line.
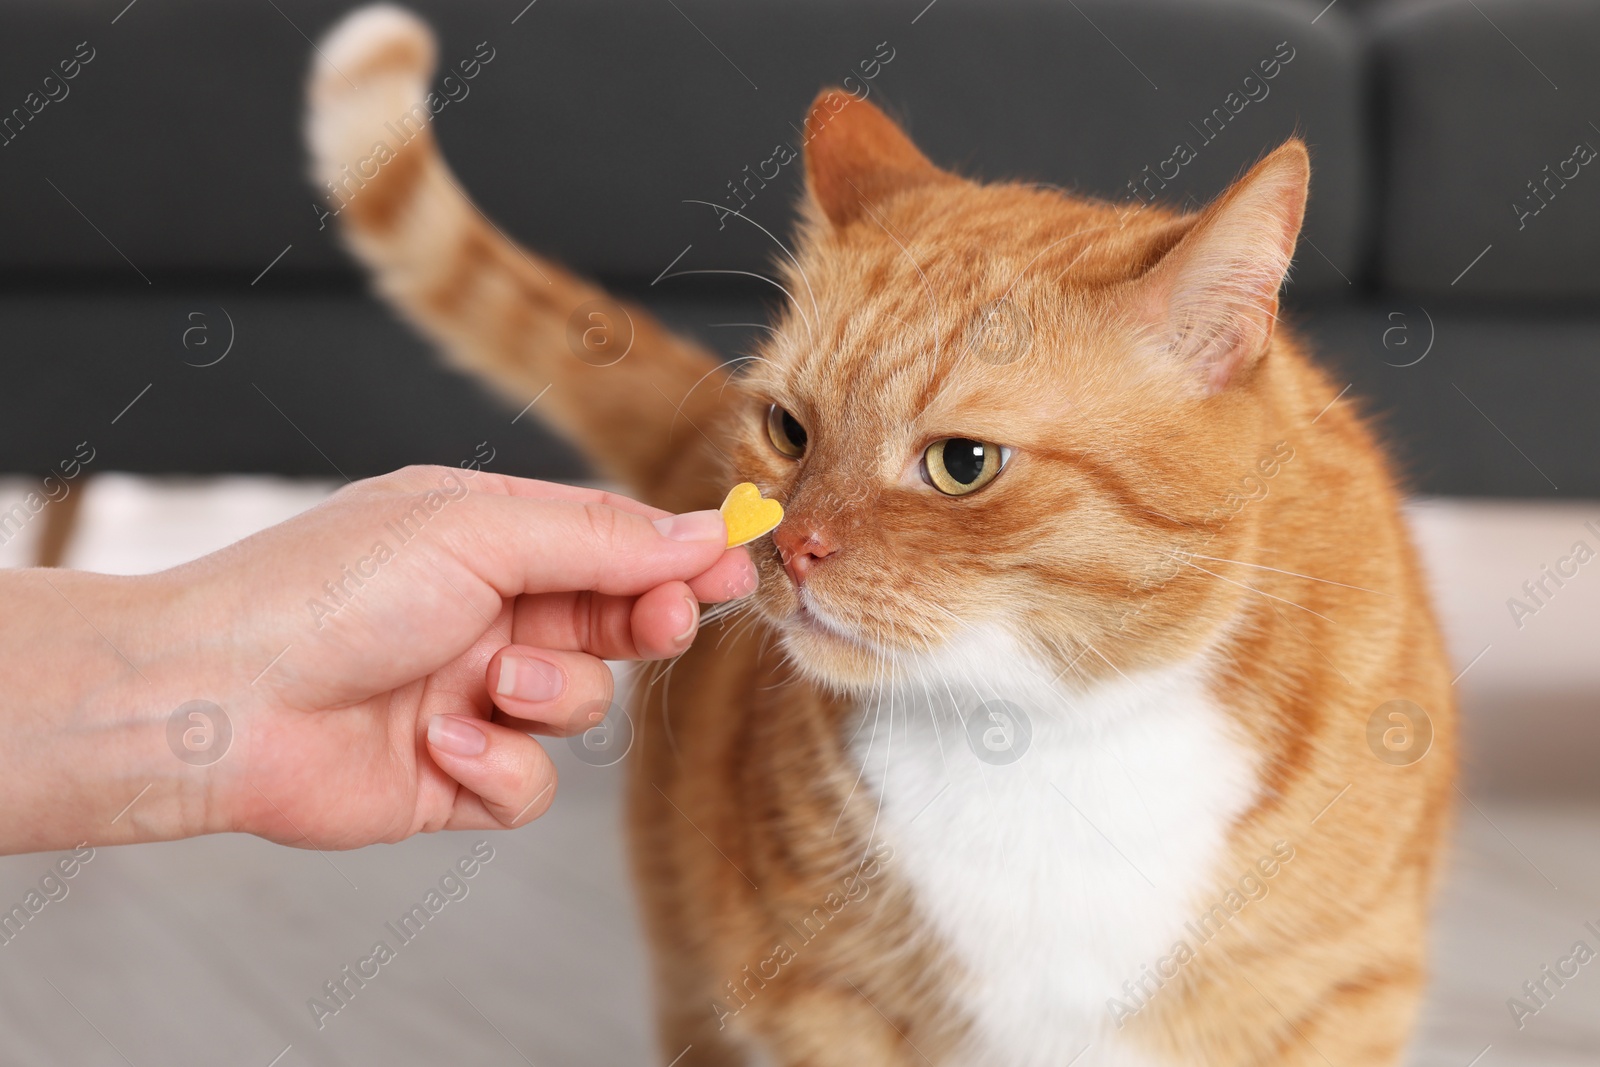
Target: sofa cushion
(1490,147)
(176,146)
(312,385)
(1472,401)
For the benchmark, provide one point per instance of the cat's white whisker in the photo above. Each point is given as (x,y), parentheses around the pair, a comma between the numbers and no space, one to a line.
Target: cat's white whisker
(1072,665)
(988,791)
(1253,589)
(739,363)
(883,791)
(747,325)
(728,368)
(785,248)
(1313,645)
(759,277)
(859,773)
(1103,656)
(877,683)
(718,612)
(666,714)
(933,719)
(1292,574)
(739,629)
(717,617)
(657,669)
(1074,263)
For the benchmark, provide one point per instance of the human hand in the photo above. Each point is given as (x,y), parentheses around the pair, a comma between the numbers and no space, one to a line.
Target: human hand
(382,658)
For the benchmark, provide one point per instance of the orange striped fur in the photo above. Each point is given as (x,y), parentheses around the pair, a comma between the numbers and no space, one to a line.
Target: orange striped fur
(1184,490)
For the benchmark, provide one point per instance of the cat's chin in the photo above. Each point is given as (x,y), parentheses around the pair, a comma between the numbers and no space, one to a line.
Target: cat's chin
(829,652)
(831,658)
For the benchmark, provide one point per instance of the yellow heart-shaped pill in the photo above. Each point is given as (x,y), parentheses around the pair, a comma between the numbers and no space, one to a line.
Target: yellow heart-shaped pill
(748,514)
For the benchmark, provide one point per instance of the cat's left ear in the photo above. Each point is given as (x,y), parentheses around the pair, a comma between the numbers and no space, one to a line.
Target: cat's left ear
(1213,298)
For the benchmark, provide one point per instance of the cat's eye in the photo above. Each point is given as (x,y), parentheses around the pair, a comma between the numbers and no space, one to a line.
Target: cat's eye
(787,435)
(957,466)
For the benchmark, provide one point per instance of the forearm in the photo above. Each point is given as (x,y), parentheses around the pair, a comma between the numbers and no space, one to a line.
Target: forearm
(93,671)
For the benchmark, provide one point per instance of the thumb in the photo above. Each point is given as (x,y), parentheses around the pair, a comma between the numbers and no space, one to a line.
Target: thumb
(521,545)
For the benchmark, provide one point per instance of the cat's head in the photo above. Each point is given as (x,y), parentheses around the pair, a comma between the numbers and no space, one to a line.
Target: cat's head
(995,412)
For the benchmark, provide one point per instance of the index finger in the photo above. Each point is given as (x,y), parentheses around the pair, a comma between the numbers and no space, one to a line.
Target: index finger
(538,489)
(521,545)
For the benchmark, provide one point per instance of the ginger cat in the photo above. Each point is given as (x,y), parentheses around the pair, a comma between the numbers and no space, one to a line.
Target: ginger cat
(1048,737)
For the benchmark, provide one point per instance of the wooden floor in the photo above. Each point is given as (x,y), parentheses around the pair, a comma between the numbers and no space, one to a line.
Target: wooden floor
(208,951)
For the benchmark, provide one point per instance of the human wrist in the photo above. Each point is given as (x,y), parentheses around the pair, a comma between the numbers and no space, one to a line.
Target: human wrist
(104,662)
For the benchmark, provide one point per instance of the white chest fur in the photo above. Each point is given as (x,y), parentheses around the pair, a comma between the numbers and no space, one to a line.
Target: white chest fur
(1056,875)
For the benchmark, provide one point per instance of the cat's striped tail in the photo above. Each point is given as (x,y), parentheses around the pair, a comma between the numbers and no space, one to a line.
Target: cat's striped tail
(497,309)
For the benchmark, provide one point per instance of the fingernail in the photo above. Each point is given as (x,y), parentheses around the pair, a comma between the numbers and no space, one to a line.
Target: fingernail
(693,526)
(525,678)
(694,622)
(456,735)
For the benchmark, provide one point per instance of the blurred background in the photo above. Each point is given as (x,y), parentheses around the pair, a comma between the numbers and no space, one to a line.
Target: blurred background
(188,356)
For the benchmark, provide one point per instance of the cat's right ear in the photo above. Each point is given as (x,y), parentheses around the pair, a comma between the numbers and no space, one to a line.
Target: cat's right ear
(856,157)
(1213,298)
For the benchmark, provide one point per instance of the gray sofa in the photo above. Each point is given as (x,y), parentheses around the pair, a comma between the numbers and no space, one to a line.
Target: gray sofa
(157,214)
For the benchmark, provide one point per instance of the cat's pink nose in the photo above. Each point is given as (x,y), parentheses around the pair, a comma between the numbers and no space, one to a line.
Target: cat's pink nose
(801,549)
